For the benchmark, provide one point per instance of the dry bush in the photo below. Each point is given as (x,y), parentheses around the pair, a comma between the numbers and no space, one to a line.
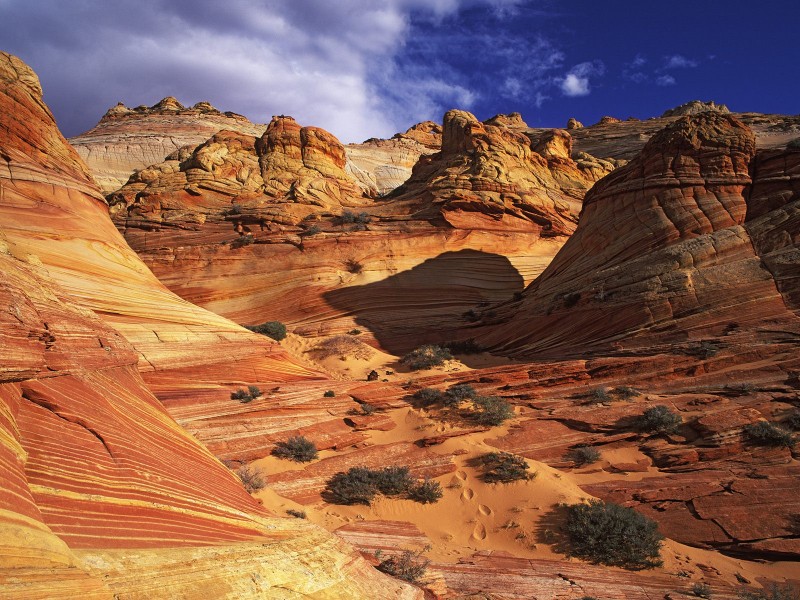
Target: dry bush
(343,346)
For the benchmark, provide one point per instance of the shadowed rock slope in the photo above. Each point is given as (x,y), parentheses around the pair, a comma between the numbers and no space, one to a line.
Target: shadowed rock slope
(103,494)
(214,222)
(673,249)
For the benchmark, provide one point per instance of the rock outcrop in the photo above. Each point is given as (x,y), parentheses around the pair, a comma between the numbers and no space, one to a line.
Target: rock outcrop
(104,495)
(130,139)
(667,251)
(695,107)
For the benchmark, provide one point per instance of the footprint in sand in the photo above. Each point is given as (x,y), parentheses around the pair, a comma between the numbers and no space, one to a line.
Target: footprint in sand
(479,533)
(461,475)
(467,494)
(485,510)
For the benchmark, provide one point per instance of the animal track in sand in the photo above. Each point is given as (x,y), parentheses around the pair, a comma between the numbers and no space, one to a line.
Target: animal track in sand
(467,494)
(485,510)
(461,475)
(479,533)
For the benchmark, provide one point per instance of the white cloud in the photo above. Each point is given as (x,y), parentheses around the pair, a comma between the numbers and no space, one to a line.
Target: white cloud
(665,80)
(313,59)
(576,81)
(677,61)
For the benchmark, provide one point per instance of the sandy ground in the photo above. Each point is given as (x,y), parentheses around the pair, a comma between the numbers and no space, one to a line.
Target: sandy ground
(513,517)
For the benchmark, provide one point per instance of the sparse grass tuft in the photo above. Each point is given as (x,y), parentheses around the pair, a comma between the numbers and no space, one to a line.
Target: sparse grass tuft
(251,477)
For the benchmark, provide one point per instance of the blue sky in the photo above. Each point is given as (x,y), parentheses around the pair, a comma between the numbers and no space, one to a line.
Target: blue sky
(370,68)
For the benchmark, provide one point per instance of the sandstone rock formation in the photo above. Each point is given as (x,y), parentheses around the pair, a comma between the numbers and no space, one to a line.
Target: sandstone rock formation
(104,495)
(695,107)
(573,123)
(129,139)
(237,206)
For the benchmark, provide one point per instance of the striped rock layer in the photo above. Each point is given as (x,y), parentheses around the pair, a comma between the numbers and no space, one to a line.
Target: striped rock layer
(103,495)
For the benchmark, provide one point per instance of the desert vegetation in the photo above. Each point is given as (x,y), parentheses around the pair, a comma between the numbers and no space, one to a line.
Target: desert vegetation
(244,396)
(273,329)
(251,477)
(343,346)
(584,455)
(409,565)
(426,357)
(297,449)
(360,485)
(611,534)
(502,467)
(764,433)
(658,419)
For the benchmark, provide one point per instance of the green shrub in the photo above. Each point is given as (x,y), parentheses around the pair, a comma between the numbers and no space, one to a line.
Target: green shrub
(242,241)
(297,514)
(456,394)
(392,481)
(600,394)
(297,448)
(584,455)
(329,394)
(658,419)
(503,467)
(359,485)
(408,566)
(793,422)
(426,357)
(274,329)
(491,410)
(244,396)
(626,392)
(428,396)
(611,534)
(701,590)
(313,230)
(426,492)
(355,486)
(765,433)
(774,592)
(251,477)
(349,217)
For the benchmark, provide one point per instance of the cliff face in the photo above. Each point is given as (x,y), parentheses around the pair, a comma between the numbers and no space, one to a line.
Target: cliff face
(670,249)
(226,213)
(103,494)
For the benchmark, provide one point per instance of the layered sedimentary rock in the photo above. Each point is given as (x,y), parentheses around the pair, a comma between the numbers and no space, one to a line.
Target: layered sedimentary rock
(453,236)
(129,139)
(667,252)
(104,495)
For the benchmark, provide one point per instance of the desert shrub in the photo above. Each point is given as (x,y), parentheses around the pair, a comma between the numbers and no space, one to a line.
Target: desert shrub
(342,346)
(355,486)
(359,485)
(297,448)
(428,396)
(426,357)
(658,419)
(313,230)
(393,481)
(491,410)
(626,392)
(349,217)
(367,409)
(273,329)
(353,266)
(235,209)
(611,534)
(502,467)
(765,433)
(242,241)
(774,592)
(793,422)
(794,144)
(329,394)
(408,566)
(297,514)
(354,332)
(599,394)
(426,492)
(251,477)
(584,455)
(244,396)
(701,590)
(740,389)
(456,394)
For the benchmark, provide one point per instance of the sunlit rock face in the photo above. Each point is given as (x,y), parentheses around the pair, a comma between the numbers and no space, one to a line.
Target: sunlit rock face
(671,249)
(103,494)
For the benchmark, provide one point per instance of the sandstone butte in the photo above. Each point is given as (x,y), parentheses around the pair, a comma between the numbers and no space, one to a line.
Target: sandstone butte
(705,206)
(104,495)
